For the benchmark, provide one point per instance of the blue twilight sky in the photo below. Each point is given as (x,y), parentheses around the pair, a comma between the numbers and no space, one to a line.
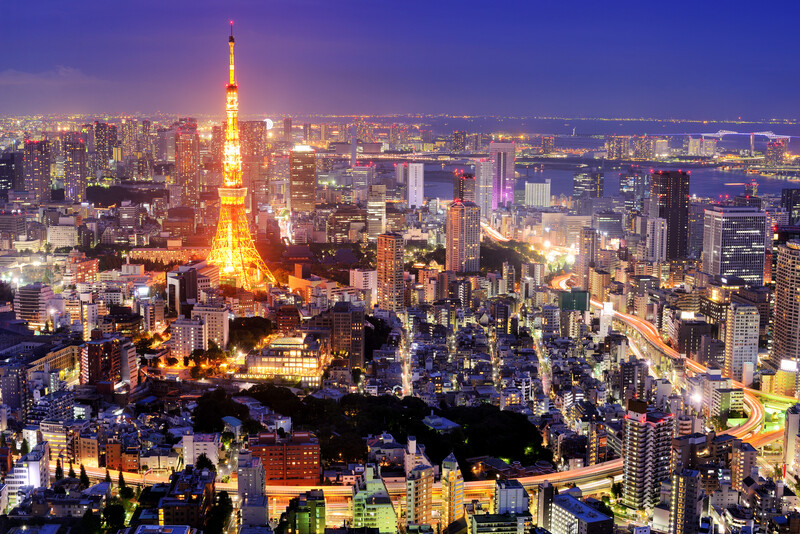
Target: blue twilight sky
(685,59)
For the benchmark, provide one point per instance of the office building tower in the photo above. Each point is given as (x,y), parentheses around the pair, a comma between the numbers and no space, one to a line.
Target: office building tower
(634,185)
(14,389)
(12,176)
(390,272)
(464,187)
(306,132)
(400,173)
(686,502)
(588,245)
(36,164)
(452,492)
(669,200)
(588,183)
(416,185)
(548,144)
(376,211)
(646,449)
(127,145)
(463,251)
(31,304)
(741,342)
(287,130)
(484,188)
(503,157)
(790,201)
(419,495)
(656,240)
(618,146)
(537,194)
(76,170)
(734,242)
(302,179)
(786,321)
(187,163)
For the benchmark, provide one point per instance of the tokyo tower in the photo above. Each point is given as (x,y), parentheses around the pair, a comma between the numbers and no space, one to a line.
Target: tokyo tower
(233,250)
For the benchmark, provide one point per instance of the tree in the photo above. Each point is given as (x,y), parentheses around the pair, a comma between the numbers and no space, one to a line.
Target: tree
(25,448)
(108,476)
(616,490)
(59,470)
(203,462)
(114,515)
(126,493)
(84,478)
(220,514)
(172,362)
(71,473)
(90,523)
(121,481)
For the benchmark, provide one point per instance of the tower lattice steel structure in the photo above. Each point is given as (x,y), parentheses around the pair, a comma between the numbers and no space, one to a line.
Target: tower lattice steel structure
(233,249)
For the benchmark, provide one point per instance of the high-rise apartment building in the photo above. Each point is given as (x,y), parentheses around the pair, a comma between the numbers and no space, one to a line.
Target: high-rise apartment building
(618,147)
(452,491)
(36,166)
(419,495)
(30,304)
(216,320)
(656,240)
(76,169)
(686,502)
(734,242)
(463,251)
(484,188)
(416,185)
(188,335)
(305,514)
(187,163)
(390,272)
(287,130)
(302,179)
(669,200)
(646,450)
(503,157)
(786,321)
(589,183)
(791,429)
(741,342)
(464,187)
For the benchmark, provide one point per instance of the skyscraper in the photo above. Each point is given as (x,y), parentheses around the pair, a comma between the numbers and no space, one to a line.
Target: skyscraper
(187,163)
(790,201)
(646,449)
(503,157)
(589,183)
(669,200)
(452,491)
(390,272)
(376,211)
(588,246)
(464,187)
(741,342)
(233,250)
(36,165)
(416,185)
(287,129)
(75,167)
(656,240)
(484,188)
(105,141)
(302,178)
(786,330)
(734,241)
(463,251)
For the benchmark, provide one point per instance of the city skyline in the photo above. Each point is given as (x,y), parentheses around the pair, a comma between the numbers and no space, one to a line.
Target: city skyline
(579,60)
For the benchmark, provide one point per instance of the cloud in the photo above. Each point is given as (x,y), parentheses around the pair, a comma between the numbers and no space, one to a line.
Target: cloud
(60,76)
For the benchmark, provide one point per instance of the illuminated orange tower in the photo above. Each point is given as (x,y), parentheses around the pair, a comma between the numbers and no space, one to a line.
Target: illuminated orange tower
(233,249)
